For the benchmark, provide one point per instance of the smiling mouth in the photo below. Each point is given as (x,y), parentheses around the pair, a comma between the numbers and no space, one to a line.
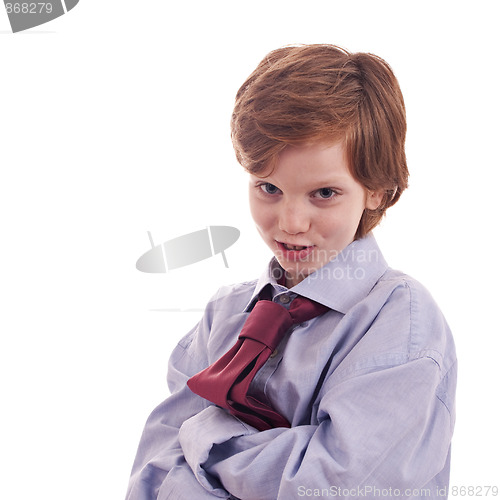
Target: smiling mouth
(294,252)
(294,247)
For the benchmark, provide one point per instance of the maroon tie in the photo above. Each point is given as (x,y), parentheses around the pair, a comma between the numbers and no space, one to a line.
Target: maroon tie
(226,382)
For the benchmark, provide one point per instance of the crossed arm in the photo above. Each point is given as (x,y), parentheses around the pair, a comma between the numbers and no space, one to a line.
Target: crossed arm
(385,428)
(385,423)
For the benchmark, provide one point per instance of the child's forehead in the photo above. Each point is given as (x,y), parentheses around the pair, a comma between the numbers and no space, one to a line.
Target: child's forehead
(310,165)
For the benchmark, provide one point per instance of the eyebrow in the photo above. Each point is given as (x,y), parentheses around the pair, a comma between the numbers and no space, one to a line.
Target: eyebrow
(330,182)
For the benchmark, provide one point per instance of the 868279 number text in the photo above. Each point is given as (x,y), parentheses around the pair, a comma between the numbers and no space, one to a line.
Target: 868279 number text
(28,8)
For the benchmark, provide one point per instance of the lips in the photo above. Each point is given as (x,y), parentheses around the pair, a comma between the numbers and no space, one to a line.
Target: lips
(294,252)
(294,247)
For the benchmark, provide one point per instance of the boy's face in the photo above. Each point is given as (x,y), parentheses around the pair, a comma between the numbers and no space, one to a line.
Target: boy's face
(308,210)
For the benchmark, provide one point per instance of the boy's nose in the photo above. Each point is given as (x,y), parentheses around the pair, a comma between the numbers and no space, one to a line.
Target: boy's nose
(293,220)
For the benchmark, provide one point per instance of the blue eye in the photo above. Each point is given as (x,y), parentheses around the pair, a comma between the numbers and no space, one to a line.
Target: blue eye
(269,188)
(325,193)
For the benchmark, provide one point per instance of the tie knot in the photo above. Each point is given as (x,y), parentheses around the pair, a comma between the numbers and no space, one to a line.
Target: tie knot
(267,323)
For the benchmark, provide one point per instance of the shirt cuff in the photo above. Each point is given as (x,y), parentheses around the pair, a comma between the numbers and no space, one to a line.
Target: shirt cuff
(200,433)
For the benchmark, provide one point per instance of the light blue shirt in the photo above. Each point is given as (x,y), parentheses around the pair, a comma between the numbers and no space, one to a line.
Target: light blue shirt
(368,387)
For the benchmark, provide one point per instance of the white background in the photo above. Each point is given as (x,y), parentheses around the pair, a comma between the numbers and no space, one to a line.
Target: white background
(114,121)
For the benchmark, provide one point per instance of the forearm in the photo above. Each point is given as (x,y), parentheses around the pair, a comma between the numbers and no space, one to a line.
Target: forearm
(249,464)
(258,466)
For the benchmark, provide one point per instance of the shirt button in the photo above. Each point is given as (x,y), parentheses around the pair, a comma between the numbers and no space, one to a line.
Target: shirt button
(274,353)
(284,299)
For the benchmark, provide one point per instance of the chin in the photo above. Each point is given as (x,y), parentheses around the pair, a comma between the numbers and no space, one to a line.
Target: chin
(297,274)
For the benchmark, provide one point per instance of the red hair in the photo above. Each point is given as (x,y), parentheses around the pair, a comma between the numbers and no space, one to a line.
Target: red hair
(324,94)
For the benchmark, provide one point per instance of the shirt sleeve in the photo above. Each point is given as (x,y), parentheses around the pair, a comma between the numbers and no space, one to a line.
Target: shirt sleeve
(160,470)
(384,422)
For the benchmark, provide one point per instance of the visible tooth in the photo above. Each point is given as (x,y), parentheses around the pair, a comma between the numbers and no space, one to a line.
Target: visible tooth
(294,247)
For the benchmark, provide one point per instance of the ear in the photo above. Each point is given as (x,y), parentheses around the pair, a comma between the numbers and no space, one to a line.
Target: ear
(374,199)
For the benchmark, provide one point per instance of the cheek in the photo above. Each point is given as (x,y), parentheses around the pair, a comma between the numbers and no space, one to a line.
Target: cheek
(261,214)
(328,226)
(340,223)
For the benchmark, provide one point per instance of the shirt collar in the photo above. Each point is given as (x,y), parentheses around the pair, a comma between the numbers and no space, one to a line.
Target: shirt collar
(339,284)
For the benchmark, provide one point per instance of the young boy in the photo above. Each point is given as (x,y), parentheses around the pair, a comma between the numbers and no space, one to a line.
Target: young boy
(354,398)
